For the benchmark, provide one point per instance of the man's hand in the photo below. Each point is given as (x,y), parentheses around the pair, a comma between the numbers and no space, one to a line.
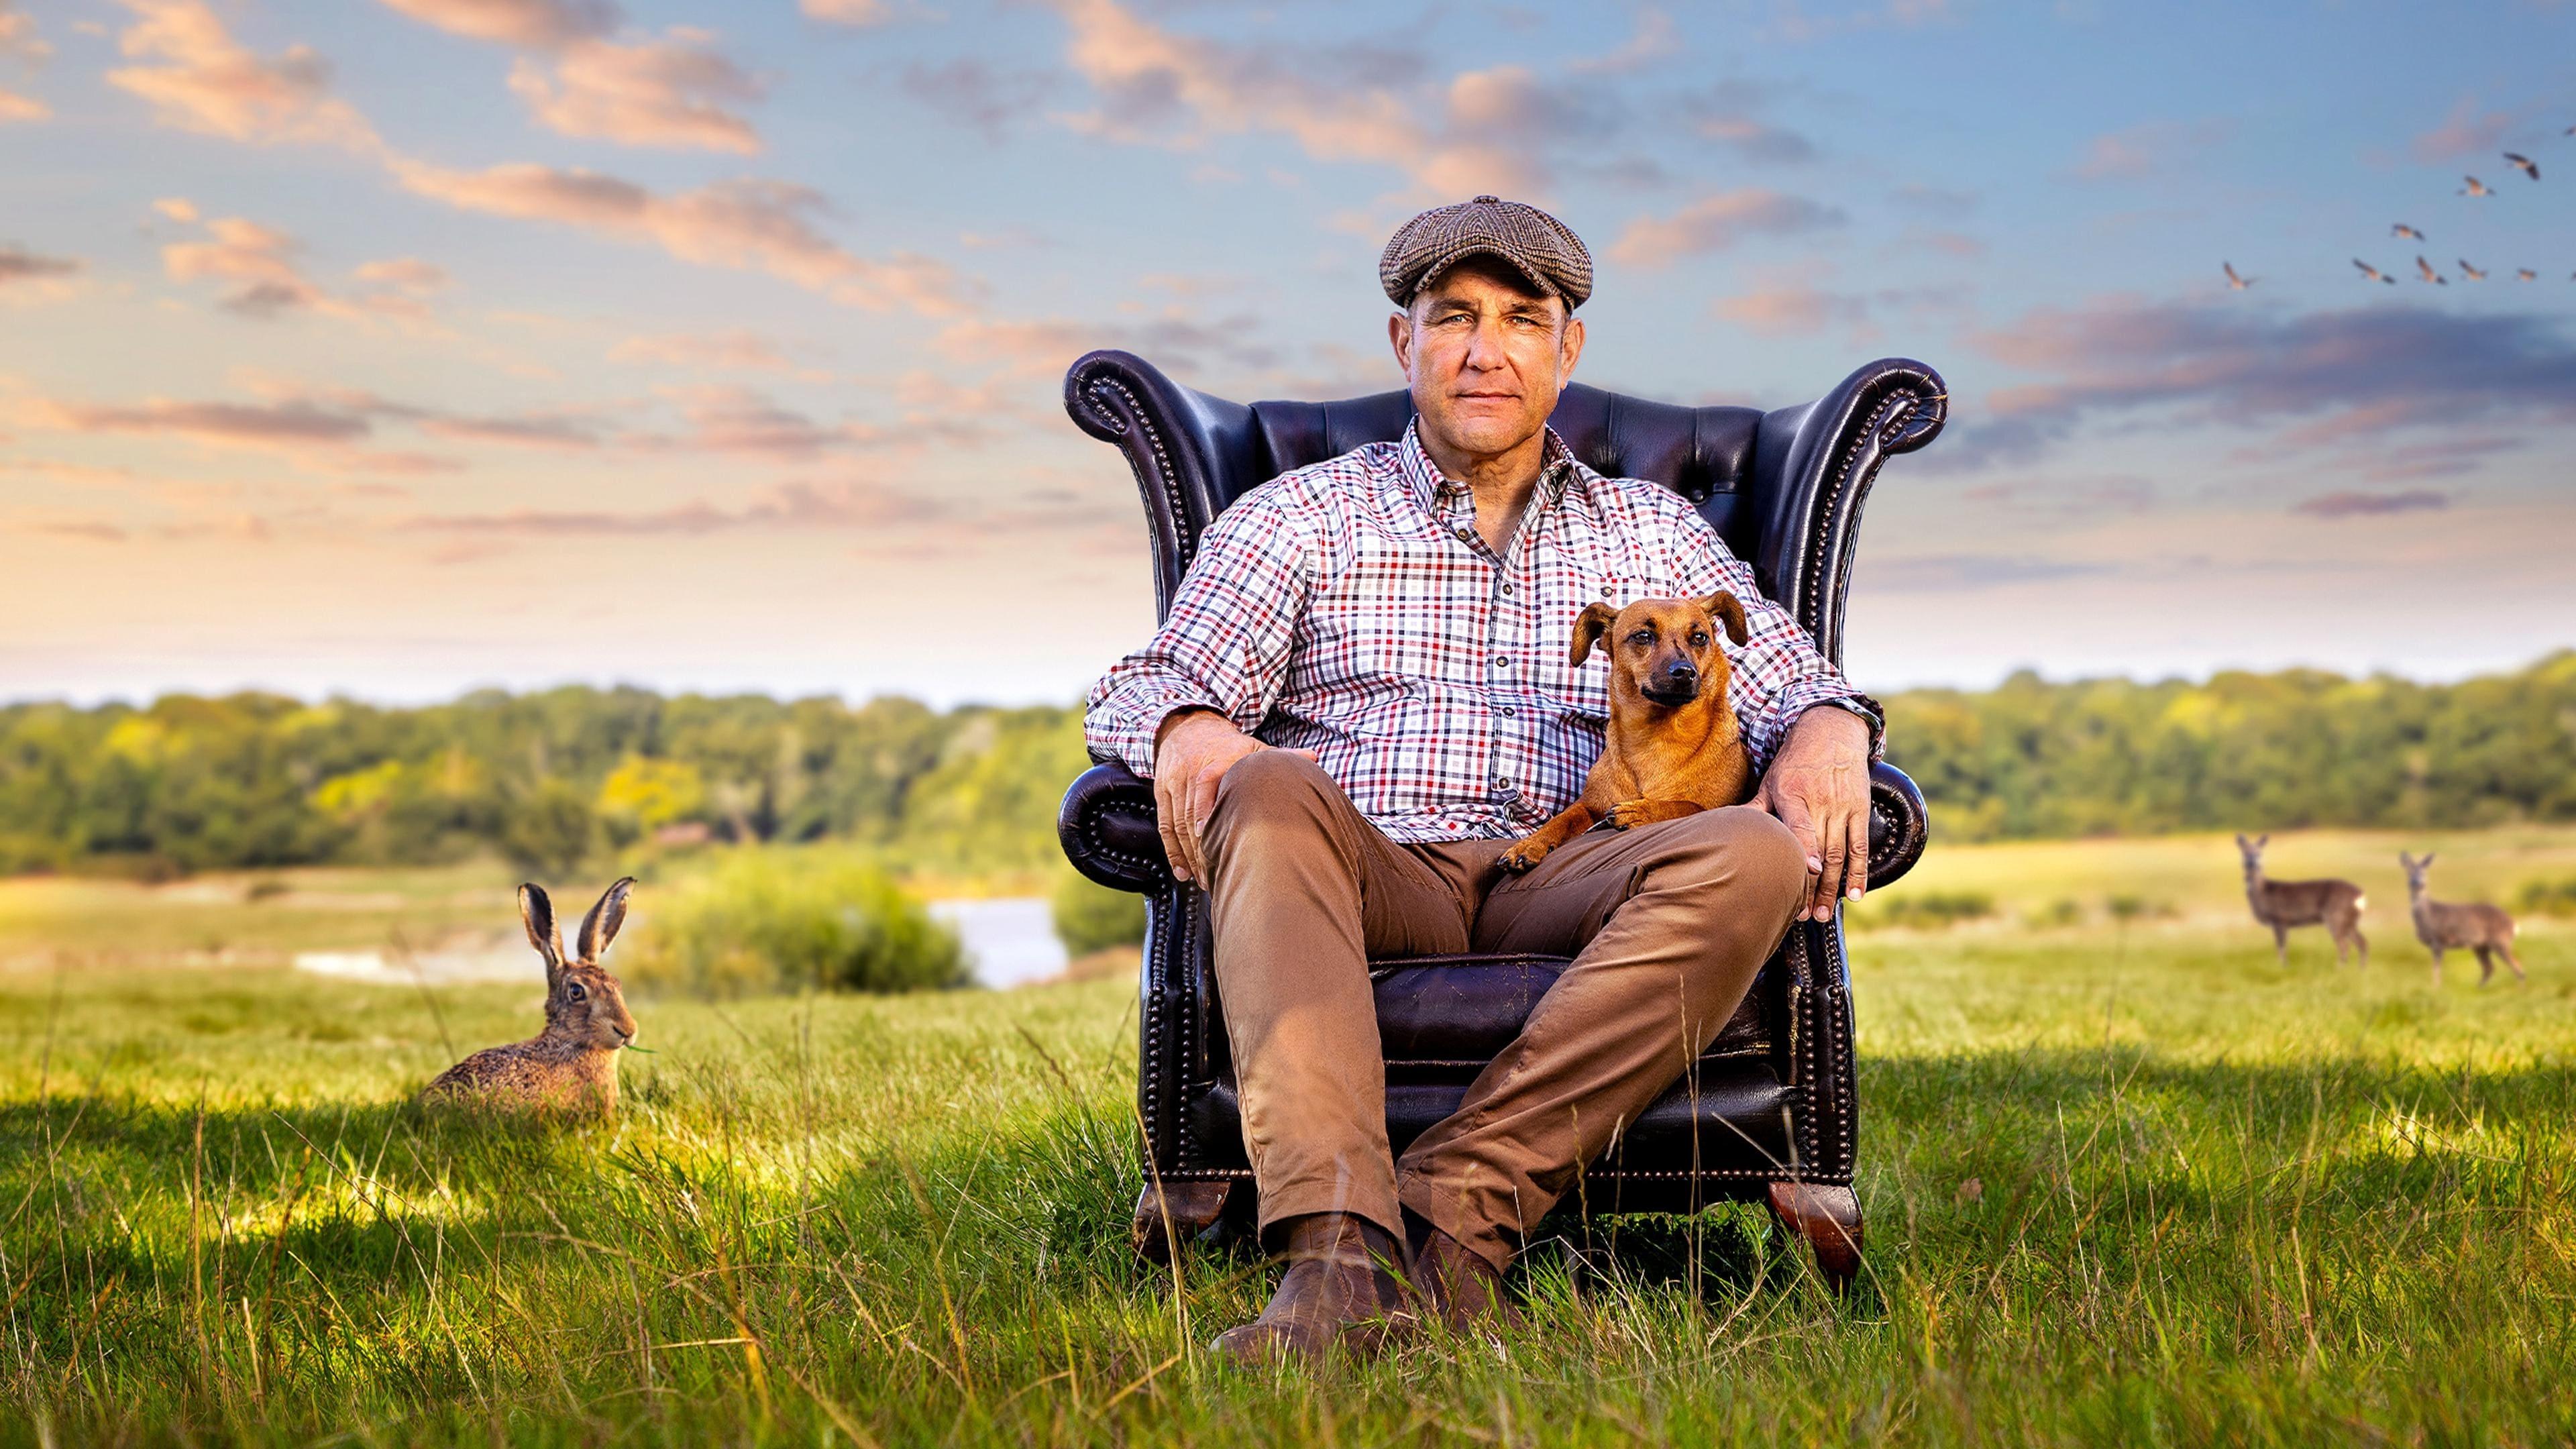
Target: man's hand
(1818,786)
(1192,751)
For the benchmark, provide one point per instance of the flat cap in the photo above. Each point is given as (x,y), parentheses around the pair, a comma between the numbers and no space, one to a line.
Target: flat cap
(1521,236)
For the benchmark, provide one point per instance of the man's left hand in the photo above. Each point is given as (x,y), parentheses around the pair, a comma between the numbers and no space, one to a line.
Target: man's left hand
(1818,786)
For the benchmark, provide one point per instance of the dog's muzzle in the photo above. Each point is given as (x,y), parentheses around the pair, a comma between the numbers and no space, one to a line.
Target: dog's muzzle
(1673,690)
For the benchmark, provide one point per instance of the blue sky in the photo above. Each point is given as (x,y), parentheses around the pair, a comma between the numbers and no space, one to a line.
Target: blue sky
(399,346)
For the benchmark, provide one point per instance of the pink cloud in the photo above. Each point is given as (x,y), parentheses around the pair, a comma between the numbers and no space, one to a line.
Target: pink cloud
(198,78)
(535,24)
(1789,309)
(1718,222)
(2144,150)
(19,265)
(849,12)
(2465,132)
(668,92)
(283,425)
(2352,504)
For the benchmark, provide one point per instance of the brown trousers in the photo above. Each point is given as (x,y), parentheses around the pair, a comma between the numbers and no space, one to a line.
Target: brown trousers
(1667,925)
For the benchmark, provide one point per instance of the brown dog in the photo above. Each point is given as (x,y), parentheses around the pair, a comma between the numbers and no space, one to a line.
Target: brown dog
(1674,746)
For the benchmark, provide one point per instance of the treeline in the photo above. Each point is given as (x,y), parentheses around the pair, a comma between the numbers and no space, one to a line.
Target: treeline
(551,779)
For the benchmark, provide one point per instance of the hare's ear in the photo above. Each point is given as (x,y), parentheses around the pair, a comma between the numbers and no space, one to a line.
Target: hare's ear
(601,925)
(2427,861)
(2262,840)
(539,914)
(1587,630)
(1722,606)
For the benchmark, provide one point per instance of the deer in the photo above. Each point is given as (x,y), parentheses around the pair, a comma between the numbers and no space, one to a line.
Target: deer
(2442,925)
(2281,904)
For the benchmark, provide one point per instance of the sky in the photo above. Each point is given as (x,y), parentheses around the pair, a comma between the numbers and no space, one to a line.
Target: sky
(398,347)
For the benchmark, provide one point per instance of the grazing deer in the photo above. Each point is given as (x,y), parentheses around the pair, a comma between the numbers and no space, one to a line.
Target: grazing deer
(2440,925)
(2281,904)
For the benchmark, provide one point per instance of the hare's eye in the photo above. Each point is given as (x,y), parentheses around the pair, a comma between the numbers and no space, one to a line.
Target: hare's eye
(576,992)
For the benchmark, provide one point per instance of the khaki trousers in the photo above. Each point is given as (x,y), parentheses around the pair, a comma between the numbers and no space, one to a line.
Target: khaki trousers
(1667,925)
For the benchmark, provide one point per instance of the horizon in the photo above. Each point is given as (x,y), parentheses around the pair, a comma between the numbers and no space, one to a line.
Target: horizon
(392,350)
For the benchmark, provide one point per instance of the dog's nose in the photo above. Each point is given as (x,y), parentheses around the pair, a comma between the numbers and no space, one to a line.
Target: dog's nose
(1681,676)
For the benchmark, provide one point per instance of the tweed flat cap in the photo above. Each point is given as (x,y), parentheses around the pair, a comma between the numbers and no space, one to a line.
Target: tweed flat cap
(1528,240)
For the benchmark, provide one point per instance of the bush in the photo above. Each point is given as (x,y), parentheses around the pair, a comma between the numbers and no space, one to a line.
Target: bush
(1932,910)
(781,919)
(1092,917)
(2547,897)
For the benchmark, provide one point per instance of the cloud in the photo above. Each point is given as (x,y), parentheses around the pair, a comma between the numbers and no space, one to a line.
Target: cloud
(547,430)
(849,12)
(1652,40)
(2350,504)
(747,224)
(2147,149)
(579,80)
(732,349)
(1480,130)
(198,78)
(20,265)
(1937,202)
(1960,572)
(2341,376)
(972,93)
(533,24)
(1790,308)
(409,273)
(668,92)
(18,35)
(2465,132)
(1729,112)
(15,107)
(796,505)
(290,424)
(1717,222)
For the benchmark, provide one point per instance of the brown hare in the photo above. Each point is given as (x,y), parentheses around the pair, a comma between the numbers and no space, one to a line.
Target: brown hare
(572,1064)
(2443,925)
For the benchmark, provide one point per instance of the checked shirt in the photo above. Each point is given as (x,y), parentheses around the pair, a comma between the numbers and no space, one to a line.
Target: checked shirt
(1350,608)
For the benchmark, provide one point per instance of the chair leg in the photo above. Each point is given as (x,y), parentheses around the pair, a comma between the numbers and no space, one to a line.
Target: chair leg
(1827,1220)
(1172,1213)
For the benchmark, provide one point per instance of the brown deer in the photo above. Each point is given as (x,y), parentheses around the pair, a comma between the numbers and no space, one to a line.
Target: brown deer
(2281,904)
(2440,925)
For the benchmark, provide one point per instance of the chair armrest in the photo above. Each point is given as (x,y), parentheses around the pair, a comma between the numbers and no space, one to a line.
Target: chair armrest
(1898,824)
(1108,830)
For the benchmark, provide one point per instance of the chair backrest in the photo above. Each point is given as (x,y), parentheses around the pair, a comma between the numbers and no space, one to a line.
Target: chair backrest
(1704,454)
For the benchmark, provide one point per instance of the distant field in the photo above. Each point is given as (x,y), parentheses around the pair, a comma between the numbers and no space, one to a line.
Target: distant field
(2127,1183)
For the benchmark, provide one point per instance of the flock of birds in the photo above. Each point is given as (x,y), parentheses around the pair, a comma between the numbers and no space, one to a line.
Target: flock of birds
(2424,270)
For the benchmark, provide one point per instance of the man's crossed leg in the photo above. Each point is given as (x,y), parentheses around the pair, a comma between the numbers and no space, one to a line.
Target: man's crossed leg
(1667,925)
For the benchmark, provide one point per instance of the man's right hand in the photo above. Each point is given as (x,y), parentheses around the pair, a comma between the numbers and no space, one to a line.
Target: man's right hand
(1192,751)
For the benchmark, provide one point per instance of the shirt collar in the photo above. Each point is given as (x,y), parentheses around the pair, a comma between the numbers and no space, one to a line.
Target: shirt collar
(1433,490)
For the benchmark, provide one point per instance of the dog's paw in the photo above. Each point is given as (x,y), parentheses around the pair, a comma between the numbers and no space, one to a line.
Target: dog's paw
(1626,815)
(1522,858)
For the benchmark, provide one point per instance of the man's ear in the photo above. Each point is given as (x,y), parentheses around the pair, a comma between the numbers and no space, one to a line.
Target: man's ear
(1588,626)
(1723,607)
(1399,335)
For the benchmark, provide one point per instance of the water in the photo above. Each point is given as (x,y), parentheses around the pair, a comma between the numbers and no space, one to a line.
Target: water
(1010,941)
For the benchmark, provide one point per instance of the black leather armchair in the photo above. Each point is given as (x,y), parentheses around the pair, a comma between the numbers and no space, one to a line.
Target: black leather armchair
(1769,1112)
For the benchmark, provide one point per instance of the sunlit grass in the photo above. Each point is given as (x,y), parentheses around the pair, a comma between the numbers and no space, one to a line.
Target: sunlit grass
(2126,1182)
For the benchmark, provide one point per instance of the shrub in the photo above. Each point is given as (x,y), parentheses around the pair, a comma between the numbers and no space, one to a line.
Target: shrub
(1932,910)
(2548,897)
(1092,917)
(2056,915)
(782,919)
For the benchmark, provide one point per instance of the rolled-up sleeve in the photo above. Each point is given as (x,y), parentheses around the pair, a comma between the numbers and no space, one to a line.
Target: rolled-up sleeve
(1779,673)
(1225,645)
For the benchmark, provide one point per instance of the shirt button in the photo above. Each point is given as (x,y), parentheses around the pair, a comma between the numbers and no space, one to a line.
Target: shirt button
(1501,663)
(1506,711)
(1464,535)
(1507,588)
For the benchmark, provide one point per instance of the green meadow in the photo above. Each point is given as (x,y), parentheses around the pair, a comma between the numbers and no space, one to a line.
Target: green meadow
(2128,1180)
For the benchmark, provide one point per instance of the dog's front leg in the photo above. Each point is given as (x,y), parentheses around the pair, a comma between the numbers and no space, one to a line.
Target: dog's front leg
(1573,821)
(1629,814)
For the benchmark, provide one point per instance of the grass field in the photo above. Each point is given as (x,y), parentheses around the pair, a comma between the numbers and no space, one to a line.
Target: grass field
(2128,1181)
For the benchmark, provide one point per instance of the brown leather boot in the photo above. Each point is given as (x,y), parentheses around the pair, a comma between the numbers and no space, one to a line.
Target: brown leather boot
(1457,1285)
(1338,1292)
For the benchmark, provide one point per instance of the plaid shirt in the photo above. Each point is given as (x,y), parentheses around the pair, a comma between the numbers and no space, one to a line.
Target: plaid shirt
(1350,608)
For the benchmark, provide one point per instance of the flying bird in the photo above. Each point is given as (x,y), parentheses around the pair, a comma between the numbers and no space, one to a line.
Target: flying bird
(2477,188)
(2525,274)
(2235,281)
(2424,269)
(2370,273)
(2524,165)
(2471,272)
(2402,230)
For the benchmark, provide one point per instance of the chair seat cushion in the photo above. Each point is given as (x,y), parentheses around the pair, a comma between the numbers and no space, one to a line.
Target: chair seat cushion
(1459,1012)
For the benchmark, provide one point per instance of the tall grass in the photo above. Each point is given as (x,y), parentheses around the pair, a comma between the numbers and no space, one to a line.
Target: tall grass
(2218,1201)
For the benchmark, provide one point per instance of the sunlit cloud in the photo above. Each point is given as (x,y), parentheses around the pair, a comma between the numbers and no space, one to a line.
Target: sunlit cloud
(18,266)
(264,277)
(1717,222)
(409,273)
(846,505)
(735,349)
(2148,149)
(198,78)
(849,12)
(290,425)
(2466,131)
(2352,504)
(580,79)
(536,24)
(19,41)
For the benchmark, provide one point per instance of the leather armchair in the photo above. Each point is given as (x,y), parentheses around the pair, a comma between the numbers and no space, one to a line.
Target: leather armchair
(1769,1112)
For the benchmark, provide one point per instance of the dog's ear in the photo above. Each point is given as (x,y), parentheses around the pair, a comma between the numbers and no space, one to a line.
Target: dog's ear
(538,913)
(1588,627)
(601,925)
(1723,607)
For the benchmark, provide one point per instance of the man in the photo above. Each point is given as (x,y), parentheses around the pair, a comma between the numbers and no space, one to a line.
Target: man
(1361,698)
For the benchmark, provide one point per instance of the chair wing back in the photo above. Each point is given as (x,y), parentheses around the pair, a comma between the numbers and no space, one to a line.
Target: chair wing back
(1783,488)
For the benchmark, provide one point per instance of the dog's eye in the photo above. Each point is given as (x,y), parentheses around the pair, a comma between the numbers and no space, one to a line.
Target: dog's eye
(1699,641)
(1642,636)
(576,992)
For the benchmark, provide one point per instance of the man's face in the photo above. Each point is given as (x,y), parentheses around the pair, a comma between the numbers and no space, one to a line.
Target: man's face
(1486,357)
